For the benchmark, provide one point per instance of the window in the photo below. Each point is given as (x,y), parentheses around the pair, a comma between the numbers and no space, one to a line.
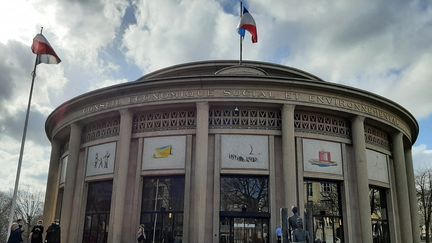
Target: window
(309,189)
(244,194)
(327,187)
(244,209)
(59,203)
(378,204)
(323,216)
(97,212)
(162,208)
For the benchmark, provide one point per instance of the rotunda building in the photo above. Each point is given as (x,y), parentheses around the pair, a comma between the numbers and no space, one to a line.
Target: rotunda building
(215,151)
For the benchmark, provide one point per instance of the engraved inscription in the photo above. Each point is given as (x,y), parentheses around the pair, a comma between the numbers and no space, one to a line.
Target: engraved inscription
(284,95)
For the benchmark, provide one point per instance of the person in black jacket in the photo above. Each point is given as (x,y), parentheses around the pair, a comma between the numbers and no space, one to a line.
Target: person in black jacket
(36,233)
(53,233)
(300,235)
(15,235)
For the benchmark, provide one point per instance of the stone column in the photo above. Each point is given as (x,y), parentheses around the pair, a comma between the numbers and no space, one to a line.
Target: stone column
(412,196)
(402,188)
(52,184)
(360,161)
(120,176)
(200,173)
(288,162)
(288,156)
(69,186)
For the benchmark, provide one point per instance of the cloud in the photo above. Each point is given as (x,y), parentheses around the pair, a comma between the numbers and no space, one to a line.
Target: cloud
(12,126)
(173,32)
(34,163)
(368,45)
(422,157)
(79,36)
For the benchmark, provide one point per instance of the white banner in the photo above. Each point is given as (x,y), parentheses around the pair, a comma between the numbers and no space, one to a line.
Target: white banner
(244,151)
(322,156)
(377,166)
(100,159)
(63,166)
(164,153)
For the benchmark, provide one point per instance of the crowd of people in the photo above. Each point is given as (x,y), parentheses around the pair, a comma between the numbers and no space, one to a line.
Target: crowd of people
(36,234)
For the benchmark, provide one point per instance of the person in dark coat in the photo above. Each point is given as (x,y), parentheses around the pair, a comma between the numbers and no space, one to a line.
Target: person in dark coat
(15,235)
(36,233)
(300,235)
(53,233)
(292,221)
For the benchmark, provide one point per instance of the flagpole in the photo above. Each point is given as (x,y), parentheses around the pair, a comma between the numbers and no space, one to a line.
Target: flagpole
(241,38)
(15,193)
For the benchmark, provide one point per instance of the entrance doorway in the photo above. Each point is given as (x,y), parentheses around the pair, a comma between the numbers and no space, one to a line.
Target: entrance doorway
(244,230)
(323,216)
(244,209)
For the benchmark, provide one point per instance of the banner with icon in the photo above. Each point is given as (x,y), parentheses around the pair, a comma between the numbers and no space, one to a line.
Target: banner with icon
(167,152)
(322,156)
(100,159)
(244,152)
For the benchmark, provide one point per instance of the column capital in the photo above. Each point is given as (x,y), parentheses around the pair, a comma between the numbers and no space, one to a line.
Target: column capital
(202,105)
(288,107)
(125,112)
(358,118)
(397,135)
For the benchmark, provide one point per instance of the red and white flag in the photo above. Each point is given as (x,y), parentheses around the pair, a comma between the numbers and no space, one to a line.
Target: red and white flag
(43,49)
(247,22)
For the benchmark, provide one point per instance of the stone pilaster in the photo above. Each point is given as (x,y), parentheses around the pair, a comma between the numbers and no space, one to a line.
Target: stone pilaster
(120,177)
(52,184)
(402,188)
(360,161)
(288,156)
(200,173)
(69,186)
(288,159)
(412,196)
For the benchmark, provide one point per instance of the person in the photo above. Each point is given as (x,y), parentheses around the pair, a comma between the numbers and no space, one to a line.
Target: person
(279,234)
(20,224)
(15,234)
(300,235)
(292,221)
(53,232)
(141,236)
(36,233)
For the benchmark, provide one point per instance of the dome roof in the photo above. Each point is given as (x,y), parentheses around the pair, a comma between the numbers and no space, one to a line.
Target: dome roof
(229,68)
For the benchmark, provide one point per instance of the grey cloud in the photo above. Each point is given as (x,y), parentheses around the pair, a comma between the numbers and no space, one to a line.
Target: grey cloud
(13,125)
(15,68)
(38,176)
(364,25)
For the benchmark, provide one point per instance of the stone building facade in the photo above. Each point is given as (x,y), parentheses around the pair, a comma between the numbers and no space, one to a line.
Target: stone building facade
(212,151)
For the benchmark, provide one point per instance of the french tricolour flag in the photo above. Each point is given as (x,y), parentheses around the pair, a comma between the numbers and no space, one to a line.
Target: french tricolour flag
(247,23)
(46,53)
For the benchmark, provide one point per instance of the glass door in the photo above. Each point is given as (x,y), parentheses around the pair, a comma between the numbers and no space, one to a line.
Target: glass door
(323,216)
(244,230)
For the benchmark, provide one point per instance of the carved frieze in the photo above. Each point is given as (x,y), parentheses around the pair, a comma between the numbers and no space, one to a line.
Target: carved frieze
(294,96)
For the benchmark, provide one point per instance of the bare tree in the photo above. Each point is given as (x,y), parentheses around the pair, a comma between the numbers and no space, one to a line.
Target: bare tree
(424,195)
(5,205)
(29,207)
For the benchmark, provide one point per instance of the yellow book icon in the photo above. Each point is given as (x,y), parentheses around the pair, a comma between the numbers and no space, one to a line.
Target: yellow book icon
(163,152)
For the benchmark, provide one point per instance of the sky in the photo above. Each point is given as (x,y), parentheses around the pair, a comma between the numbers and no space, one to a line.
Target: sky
(381,46)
